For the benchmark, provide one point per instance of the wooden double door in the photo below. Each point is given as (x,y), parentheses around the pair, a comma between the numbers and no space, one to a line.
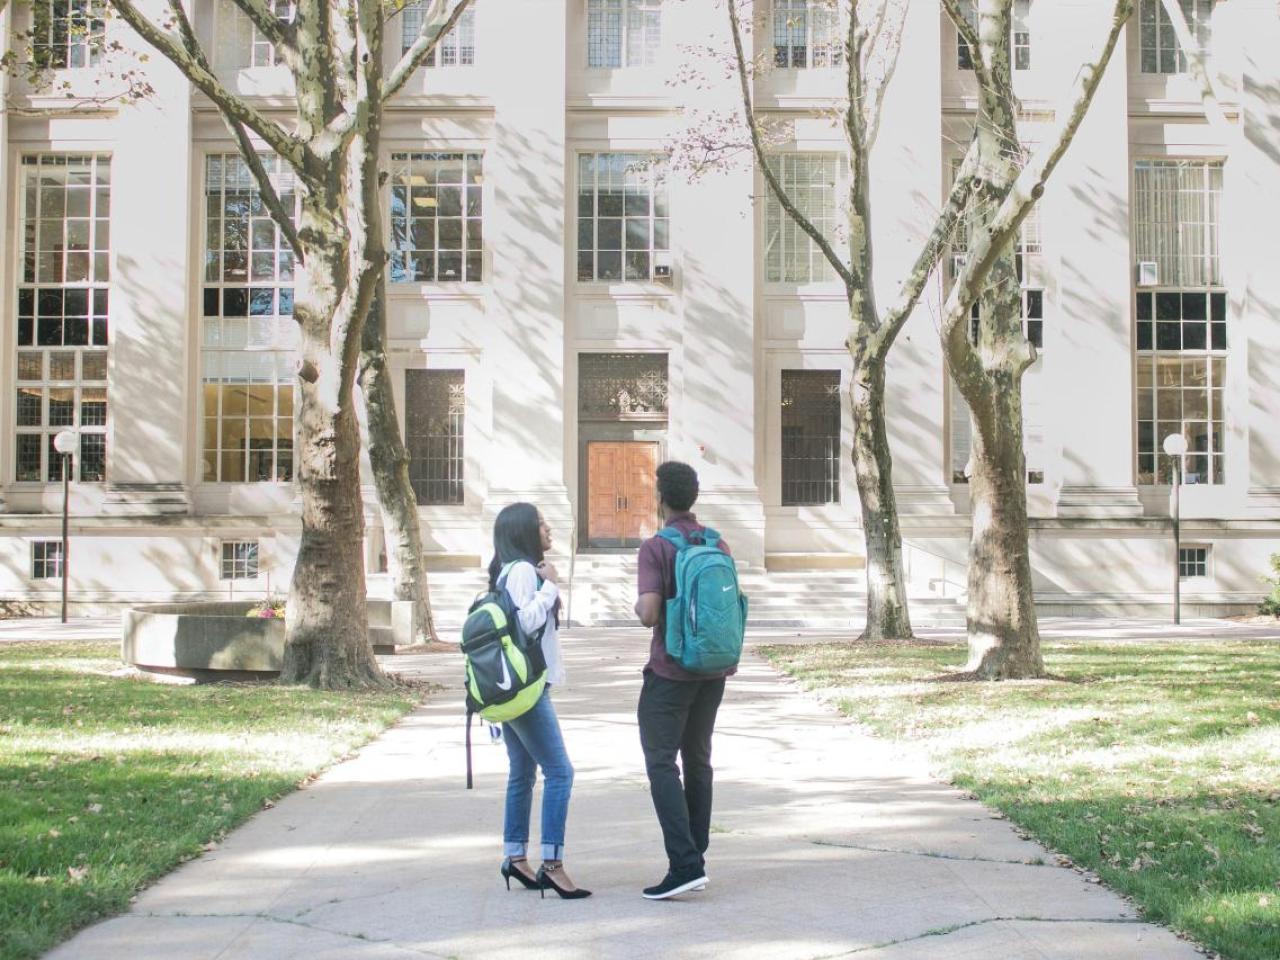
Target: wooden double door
(622,502)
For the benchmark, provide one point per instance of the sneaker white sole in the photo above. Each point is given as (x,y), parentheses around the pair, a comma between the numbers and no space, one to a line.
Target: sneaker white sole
(698,883)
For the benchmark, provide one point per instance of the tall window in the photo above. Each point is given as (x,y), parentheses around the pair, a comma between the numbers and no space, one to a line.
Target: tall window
(624,224)
(67,33)
(239,42)
(436,220)
(810,437)
(455,48)
(63,314)
(1019,35)
(623,33)
(806,33)
(1161,52)
(435,410)
(790,256)
(249,333)
(1181,316)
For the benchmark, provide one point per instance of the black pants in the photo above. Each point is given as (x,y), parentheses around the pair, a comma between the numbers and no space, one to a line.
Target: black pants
(680,716)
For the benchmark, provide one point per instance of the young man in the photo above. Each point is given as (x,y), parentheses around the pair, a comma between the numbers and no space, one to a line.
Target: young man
(677,711)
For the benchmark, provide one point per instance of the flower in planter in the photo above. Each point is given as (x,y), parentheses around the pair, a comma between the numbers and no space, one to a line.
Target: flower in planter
(267,610)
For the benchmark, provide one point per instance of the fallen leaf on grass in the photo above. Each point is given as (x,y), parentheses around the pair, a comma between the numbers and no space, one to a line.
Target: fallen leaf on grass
(77,874)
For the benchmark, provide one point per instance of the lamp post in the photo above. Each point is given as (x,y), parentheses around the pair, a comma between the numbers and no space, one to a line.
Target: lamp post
(1175,446)
(65,443)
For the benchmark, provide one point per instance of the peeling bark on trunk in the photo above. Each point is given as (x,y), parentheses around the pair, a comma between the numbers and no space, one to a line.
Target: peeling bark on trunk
(1004,637)
(327,626)
(390,460)
(888,617)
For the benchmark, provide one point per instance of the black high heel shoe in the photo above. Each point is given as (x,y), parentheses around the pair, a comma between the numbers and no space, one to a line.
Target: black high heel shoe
(509,871)
(546,883)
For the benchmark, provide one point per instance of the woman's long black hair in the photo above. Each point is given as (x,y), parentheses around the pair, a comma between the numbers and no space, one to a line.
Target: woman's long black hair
(516,536)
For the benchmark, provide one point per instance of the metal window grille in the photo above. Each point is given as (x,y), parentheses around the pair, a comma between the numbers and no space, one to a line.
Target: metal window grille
(248,332)
(624,223)
(63,314)
(239,560)
(1181,324)
(1193,562)
(46,559)
(67,34)
(810,437)
(435,420)
(1160,50)
(790,255)
(620,386)
(623,33)
(455,48)
(806,33)
(437,217)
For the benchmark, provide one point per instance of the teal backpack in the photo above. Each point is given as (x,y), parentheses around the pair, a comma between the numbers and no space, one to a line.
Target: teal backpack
(707,618)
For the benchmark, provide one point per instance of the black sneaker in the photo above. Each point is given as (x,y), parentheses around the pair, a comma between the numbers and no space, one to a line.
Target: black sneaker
(673,886)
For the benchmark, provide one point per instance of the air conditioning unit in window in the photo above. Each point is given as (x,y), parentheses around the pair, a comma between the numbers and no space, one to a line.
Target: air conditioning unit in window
(1148,273)
(662,265)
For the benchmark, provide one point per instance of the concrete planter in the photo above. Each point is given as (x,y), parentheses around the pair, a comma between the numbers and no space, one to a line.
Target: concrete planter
(202,640)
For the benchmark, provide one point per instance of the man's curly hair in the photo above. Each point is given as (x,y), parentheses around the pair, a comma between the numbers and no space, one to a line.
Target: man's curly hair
(677,485)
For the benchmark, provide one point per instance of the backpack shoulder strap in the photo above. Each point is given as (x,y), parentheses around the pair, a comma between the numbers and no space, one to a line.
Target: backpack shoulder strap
(506,571)
(710,537)
(674,537)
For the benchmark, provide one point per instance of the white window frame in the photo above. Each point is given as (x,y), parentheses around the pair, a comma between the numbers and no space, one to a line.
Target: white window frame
(239,44)
(240,560)
(248,334)
(457,48)
(417,187)
(68,34)
(785,244)
(1019,36)
(810,26)
(1202,564)
(1162,234)
(623,33)
(1157,39)
(49,566)
(632,172)
(65,253)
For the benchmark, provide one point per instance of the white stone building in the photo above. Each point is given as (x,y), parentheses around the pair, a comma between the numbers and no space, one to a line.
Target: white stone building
(564,312)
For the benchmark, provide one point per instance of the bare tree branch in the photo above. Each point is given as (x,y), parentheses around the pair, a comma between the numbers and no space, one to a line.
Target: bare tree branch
(282,35)
(987,244)
(197,71)
(1196,61)
(757,145)
(249,152)
(970,38)
(433,28)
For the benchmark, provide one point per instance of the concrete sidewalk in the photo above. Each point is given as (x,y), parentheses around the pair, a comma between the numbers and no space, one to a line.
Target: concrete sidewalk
(825,844)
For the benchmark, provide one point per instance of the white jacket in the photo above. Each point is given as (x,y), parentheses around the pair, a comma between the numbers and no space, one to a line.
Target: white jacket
(534,604)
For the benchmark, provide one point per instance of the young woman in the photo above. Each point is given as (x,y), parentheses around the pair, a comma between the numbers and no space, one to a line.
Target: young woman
(520,541)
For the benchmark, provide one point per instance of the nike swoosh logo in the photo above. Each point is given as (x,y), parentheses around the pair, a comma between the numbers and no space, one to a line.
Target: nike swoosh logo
(505,684)
(726,589)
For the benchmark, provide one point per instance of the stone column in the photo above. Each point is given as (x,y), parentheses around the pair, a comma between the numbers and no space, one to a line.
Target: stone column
(151,295)
(1087,208)
(1256,169)
(715,250)
(525,229)
(8,242)
(906,183)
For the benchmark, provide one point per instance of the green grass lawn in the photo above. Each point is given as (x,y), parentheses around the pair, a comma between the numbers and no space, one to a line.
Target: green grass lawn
(1160,771)
(108,783)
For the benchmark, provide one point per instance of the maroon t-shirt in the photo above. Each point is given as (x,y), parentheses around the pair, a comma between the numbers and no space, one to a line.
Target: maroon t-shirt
(658,575)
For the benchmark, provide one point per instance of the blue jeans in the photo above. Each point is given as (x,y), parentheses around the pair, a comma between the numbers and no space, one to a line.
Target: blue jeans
(533,740)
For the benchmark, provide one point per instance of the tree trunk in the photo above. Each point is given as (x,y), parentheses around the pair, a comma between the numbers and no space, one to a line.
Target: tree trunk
(327,635)
(1004,638)
(887,614)
(396,500)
